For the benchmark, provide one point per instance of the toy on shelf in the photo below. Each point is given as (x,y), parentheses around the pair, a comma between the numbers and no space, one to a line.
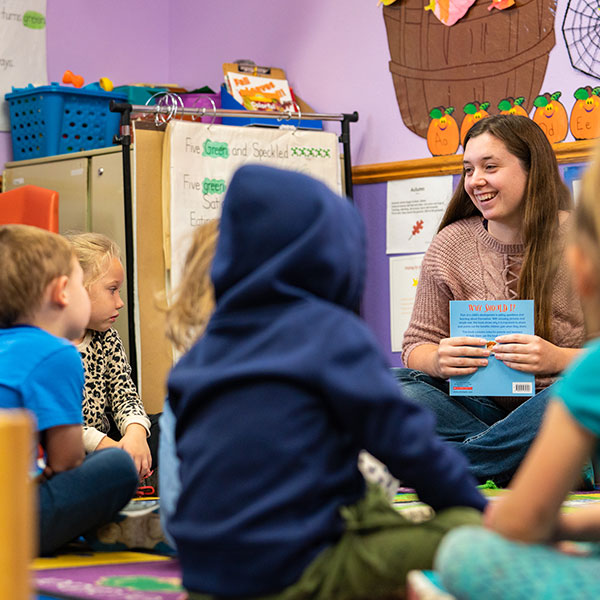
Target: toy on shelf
(77,80)
(69,77)
(106,84)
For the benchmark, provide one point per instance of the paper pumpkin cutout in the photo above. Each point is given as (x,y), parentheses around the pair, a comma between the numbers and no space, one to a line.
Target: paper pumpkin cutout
(551,116)
(512,106)
(474,111)
(580,31)
(442,133)
(585,114)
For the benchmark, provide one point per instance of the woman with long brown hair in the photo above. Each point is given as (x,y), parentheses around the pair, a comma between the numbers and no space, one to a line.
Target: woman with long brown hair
(501,238)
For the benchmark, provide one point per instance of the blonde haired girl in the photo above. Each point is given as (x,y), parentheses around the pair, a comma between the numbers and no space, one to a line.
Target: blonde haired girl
(109,390)
(193,302)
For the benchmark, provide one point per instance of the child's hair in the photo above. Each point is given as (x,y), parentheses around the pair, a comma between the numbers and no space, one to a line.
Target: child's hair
(545,195)
(94,252)
(31,259)
(193,301)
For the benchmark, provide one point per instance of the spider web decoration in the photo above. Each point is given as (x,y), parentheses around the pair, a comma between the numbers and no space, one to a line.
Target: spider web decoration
(581,30)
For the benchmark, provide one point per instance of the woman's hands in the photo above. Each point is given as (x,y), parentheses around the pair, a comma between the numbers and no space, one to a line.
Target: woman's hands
(532,354)
(455,356)
(459,356)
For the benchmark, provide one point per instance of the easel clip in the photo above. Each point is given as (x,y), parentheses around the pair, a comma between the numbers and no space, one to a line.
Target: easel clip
(249,66)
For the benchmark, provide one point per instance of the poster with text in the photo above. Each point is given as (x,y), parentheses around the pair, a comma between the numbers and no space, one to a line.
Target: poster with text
(200,160)
(414,210)
(404,277)
(573,174)
(22,48)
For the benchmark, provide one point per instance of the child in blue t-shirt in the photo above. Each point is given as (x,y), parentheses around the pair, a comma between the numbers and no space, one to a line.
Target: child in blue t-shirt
(275,400)
(43,304)
(517,556)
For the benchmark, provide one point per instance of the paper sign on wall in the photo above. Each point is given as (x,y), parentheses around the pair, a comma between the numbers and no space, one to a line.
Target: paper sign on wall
(414,210)
(404,276)
(573,175)
(22,48)
(201,159)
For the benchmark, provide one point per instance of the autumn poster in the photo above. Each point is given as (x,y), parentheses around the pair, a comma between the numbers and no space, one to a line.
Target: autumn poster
(414,211)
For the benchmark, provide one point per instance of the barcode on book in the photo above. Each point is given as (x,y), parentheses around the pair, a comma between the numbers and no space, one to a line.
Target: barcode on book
(522,387)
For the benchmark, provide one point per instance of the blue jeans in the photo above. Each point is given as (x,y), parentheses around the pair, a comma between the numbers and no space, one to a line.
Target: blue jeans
(168,474)
(74,502)
(493,439)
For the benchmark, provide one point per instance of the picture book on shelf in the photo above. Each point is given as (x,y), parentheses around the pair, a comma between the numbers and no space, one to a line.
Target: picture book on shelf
(256,92)
(489,319)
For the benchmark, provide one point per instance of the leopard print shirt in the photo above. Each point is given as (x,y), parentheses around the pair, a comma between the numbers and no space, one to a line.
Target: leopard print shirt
(108,388)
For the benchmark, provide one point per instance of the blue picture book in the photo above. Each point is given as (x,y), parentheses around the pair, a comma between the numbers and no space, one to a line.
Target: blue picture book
(488,319)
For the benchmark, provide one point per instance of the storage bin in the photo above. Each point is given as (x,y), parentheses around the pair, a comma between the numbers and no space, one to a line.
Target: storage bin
(54,119)
(140,94)
(203,101)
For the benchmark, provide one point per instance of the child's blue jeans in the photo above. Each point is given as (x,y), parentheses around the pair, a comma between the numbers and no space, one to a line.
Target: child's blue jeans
(168,474)
(74,502)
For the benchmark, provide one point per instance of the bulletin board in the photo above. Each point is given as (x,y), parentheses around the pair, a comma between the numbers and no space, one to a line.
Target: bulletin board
(370,195)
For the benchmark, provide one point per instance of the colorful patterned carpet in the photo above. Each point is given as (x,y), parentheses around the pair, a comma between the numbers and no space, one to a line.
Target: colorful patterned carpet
(86,575)
(408,503)
(108,576)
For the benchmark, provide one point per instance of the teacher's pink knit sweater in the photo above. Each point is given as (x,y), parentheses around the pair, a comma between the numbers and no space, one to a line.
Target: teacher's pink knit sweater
(464,262)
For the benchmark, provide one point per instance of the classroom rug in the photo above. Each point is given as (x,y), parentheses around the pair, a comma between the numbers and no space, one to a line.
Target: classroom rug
(408,504)
(109,576)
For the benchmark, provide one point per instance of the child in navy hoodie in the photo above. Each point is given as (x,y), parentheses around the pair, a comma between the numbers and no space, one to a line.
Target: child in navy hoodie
(275,401)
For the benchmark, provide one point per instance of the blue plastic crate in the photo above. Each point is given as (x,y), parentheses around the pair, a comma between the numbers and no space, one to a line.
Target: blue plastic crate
(54,119)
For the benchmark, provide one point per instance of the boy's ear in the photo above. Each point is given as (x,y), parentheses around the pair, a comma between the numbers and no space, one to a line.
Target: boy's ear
(58,291)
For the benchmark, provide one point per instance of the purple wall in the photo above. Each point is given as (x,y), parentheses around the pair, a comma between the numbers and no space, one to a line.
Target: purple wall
(375,306)
(336,57)
(335,54)
(92,40)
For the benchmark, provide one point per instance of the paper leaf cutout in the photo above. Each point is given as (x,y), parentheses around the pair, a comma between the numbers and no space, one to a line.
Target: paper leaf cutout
(501,4)
(449,11)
